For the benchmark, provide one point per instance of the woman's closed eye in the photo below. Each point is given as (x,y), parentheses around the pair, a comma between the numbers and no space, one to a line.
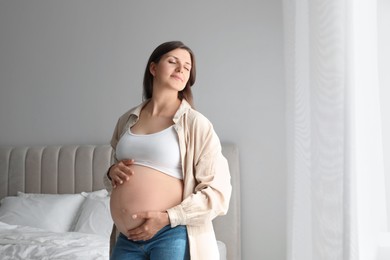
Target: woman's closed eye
(187,67)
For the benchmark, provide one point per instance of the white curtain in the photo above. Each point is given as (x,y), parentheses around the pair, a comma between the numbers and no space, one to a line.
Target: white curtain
(336,187)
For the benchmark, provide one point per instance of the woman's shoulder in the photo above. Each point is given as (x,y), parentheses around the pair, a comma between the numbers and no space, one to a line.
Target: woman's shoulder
(128,115)
(202,128)
(197,116)
(132,111)
(198,120)
(190,113)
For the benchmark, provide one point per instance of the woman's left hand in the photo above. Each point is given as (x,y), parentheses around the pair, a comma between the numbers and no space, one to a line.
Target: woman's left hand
(154,221)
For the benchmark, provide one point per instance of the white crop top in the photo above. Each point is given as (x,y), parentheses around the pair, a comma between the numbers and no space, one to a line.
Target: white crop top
(159,151)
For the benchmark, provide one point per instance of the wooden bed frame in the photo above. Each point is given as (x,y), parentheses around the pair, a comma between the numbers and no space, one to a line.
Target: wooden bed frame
(68,169)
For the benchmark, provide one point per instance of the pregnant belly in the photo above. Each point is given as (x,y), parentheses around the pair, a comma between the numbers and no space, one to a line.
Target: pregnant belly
(146,190)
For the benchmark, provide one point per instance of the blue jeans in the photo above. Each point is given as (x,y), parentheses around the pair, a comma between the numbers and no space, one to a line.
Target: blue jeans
(168,244)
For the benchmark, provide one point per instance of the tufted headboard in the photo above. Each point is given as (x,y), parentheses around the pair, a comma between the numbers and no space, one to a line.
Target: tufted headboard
(69,169)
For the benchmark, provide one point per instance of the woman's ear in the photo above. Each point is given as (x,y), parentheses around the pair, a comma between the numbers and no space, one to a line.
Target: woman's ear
(152,69)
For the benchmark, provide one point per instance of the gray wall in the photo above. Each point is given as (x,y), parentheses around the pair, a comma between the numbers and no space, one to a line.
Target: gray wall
(69,69)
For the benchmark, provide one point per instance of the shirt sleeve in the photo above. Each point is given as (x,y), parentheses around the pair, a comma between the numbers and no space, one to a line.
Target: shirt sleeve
(212,188)
(106,181)
(114,140)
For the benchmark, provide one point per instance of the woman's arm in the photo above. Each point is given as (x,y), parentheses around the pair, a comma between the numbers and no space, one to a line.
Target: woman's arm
(119,171)
(210,198)
(208,171)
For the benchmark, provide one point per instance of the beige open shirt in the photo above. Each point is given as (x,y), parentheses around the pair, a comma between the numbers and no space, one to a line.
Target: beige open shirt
(206,177)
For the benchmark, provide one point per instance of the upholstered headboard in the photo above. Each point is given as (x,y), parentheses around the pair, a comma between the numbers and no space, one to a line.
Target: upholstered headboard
(53,169)
(71,169)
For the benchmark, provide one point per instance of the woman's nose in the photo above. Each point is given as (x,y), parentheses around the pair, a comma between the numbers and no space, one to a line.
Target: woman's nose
(180,68)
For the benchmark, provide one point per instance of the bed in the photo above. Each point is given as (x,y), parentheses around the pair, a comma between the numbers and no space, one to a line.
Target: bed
(64,216)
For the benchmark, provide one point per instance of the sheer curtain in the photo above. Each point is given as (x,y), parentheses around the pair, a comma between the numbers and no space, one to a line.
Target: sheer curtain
(336,192)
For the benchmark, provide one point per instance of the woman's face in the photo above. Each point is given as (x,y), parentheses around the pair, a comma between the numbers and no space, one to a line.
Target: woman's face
(173,70)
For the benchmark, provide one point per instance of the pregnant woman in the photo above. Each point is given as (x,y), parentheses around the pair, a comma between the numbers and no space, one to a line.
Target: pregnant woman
(169,179)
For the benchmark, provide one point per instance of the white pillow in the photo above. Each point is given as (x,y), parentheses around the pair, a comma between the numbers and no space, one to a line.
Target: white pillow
(52,212)
(99,193)
(95,216)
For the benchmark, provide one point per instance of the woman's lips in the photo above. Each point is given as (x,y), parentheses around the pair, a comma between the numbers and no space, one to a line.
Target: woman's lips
(177,77)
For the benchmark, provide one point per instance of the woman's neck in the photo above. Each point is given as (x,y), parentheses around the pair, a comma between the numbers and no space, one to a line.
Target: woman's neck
(162,106)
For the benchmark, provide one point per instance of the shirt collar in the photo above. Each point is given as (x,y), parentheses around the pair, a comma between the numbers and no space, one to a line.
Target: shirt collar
(183,108)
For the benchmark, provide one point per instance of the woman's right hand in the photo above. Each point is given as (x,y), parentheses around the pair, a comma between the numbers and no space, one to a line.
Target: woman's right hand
(120,172)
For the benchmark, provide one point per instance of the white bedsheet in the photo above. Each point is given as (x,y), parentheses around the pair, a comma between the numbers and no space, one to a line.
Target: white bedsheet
(21,242)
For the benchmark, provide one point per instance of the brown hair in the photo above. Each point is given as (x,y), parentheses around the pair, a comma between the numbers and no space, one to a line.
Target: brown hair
(155,57)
